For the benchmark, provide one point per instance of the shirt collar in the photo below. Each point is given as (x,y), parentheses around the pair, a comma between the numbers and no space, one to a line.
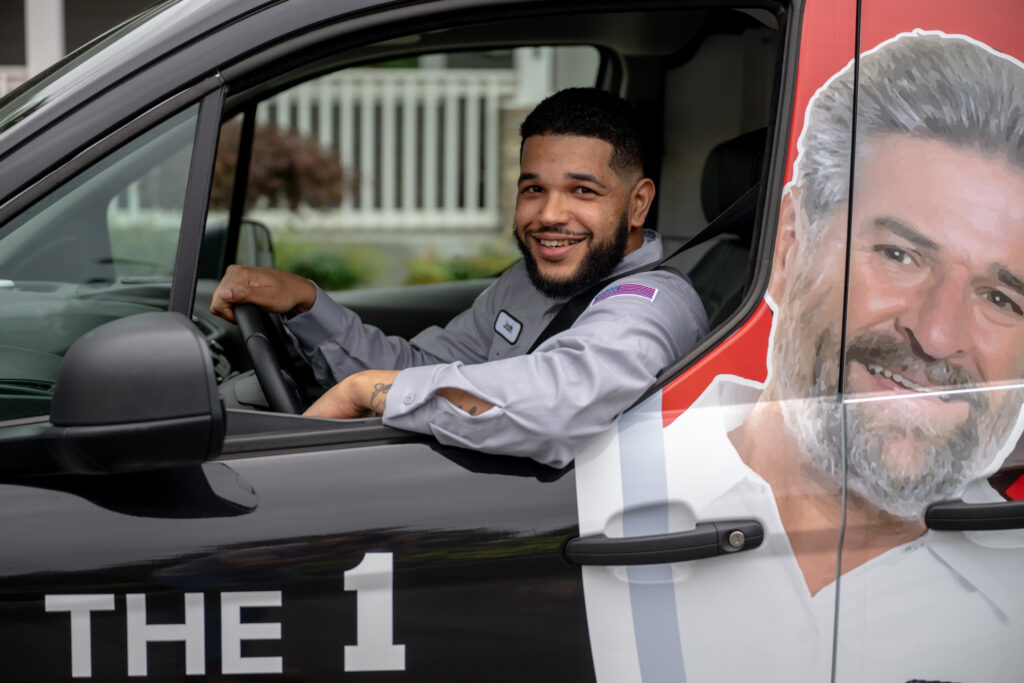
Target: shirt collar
(648,252)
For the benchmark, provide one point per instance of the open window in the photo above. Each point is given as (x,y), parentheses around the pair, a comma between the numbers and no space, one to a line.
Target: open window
(386,171)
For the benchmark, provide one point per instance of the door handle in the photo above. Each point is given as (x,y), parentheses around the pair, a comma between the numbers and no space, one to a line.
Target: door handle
(709,539)
(956,515)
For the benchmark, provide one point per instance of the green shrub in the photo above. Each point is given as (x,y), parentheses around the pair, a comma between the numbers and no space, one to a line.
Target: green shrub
(429,268)
(331,267)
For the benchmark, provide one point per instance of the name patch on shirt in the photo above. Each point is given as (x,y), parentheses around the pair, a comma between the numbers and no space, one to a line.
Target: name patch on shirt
(627,289)
(508,327)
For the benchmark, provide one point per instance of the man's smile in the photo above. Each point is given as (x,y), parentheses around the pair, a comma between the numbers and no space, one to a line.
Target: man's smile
(555,246)
(903,381)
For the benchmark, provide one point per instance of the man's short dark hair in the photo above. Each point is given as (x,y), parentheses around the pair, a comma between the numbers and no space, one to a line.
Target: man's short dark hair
(591,113)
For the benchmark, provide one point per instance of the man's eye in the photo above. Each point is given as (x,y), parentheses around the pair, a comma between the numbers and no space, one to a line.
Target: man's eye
(584,190)
(900,256)
(530,189)
(1000,300)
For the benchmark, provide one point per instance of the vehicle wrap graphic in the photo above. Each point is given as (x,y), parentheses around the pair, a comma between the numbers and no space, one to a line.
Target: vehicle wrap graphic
(849,583)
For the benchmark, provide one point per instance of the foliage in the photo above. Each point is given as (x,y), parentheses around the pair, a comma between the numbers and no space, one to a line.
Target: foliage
(286,168)
(430,268)
(331,267)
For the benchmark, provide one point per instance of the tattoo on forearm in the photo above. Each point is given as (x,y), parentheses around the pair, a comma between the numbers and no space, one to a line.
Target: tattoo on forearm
(471,410)
(379,397)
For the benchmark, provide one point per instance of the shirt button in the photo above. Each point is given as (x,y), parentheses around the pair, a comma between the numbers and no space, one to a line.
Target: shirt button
(408,399)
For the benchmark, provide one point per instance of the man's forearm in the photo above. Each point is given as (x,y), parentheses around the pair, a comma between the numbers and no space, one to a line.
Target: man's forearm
(464,400)
(362,394)
(365,394)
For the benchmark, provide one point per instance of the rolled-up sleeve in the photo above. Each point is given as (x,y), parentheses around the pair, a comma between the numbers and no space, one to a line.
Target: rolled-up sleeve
(573,386)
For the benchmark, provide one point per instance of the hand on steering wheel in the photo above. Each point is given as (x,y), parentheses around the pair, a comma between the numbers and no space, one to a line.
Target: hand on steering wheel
(257,337)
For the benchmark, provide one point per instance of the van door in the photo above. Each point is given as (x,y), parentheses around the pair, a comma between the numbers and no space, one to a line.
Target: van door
(710,519)
(934,348)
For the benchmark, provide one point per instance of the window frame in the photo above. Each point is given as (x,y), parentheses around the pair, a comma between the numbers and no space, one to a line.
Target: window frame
(304,57)
(209,95)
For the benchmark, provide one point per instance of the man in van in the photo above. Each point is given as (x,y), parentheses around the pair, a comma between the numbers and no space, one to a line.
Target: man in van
(580,211)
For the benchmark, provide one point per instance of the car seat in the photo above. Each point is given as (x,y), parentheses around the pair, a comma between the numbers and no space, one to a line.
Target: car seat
(732,168)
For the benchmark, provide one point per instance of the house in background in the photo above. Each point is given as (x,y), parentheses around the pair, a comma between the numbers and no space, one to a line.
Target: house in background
(36,33)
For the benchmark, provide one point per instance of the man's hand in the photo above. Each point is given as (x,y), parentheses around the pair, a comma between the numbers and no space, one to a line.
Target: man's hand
(365,394)
(360,395)
(273,290)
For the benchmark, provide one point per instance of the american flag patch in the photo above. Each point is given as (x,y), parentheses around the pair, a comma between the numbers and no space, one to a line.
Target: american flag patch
(642,291)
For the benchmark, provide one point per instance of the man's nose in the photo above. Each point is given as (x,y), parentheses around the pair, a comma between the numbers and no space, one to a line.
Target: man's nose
(554,212)
(938,324)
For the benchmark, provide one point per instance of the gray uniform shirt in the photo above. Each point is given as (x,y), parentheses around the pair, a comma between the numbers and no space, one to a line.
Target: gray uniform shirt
(573,386)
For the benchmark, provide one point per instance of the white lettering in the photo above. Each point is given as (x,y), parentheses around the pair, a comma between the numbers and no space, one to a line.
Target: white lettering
(233,632)
(374,650)
(140,634)
(81,608)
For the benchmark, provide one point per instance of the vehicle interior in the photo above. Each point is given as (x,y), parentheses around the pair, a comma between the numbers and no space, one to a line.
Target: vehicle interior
(704,82)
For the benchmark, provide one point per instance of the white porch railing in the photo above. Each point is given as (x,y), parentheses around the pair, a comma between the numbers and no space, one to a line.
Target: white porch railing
(423,144)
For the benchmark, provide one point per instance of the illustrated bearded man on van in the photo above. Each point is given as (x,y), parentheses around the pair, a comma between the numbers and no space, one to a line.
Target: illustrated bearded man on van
(934,350)
(935,316)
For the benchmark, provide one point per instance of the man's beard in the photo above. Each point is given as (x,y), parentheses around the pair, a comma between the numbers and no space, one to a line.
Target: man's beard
(597,264)
(947,456)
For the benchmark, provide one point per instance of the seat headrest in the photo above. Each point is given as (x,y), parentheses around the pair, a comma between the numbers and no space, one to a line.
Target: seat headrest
(732,168)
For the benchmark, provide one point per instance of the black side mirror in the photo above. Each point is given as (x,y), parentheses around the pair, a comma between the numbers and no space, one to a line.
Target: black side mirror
(134,394)
(255,246)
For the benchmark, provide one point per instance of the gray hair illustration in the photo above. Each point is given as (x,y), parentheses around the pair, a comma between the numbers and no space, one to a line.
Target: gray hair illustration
(924,83)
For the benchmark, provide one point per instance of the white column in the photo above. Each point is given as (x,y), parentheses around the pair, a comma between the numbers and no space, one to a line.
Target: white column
(44,34)
(347,143)
(388,153)
(535,72)
(410,147)
(450,188)
(471,155)
(430,142)
(367,149)
(492,153)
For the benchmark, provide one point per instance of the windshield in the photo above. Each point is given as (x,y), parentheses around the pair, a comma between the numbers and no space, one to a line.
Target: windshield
(91,58)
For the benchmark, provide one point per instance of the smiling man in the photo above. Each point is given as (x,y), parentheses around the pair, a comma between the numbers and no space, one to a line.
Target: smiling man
(478,383)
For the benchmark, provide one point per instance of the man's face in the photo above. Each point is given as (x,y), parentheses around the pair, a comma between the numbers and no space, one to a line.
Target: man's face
(936,307)
(573,220)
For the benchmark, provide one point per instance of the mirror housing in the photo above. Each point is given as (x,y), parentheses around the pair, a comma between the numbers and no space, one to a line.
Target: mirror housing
(134,394)
(255,246)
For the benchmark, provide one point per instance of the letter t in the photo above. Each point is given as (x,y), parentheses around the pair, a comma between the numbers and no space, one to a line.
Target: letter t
(81,607)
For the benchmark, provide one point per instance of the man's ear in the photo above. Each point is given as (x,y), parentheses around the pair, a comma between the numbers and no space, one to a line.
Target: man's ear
(640,199)
(789,237)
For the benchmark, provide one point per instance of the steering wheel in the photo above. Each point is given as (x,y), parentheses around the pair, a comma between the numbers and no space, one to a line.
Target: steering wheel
(257,337)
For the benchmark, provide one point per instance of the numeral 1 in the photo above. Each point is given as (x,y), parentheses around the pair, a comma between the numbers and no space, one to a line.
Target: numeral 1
(375,649)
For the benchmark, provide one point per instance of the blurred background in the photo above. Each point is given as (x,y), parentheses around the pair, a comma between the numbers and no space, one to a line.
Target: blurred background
(36,33)
(392,173)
